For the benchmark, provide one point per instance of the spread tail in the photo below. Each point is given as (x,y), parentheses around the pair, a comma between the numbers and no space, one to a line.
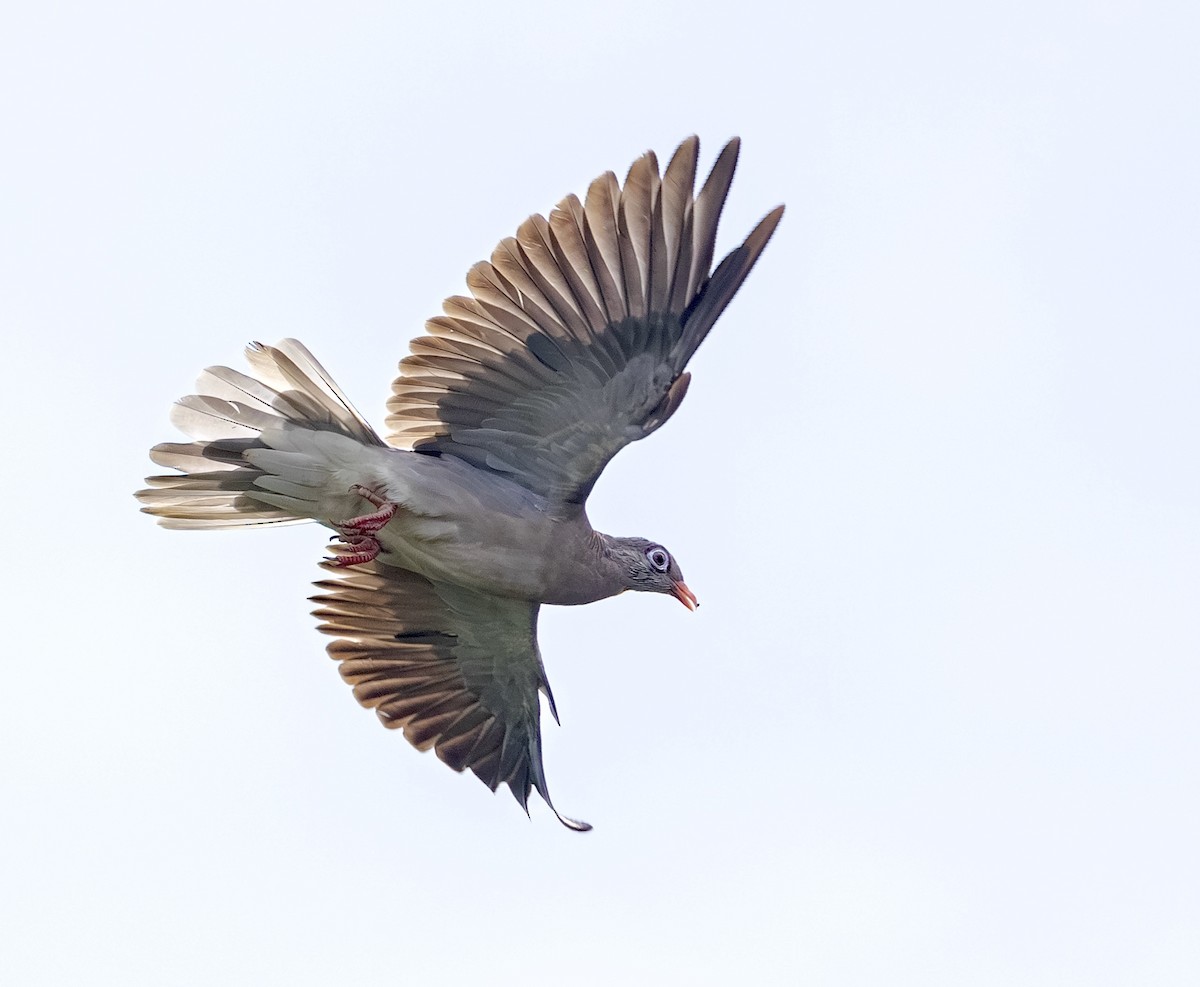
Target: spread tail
(271,449)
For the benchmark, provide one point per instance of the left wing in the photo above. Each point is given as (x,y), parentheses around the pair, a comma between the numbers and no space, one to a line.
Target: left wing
(575,340)
(455,669)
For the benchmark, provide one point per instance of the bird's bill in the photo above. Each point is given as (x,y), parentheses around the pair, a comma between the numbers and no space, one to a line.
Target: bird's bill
(684,595)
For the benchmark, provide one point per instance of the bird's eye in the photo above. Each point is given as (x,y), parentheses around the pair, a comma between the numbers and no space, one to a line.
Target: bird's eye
(659,558)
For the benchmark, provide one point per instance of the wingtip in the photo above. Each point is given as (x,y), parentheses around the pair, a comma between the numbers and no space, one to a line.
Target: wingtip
(732,148)
(690,145)
(765,229)
(523,800)
(576,825)
(539,782)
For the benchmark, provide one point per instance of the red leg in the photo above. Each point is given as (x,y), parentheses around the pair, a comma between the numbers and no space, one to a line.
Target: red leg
(358,542)
(368,524)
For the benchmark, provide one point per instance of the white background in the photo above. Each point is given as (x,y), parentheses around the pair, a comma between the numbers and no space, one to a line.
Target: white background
(936,486)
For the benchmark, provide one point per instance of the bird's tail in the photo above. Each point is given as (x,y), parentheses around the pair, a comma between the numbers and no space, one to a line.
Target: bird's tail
(270,449)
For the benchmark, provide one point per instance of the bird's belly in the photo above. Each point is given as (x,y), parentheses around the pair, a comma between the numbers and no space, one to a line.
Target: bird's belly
(460,525)
(507,557)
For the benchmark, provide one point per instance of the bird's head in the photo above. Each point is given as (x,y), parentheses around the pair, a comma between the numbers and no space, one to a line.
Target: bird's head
(650,568)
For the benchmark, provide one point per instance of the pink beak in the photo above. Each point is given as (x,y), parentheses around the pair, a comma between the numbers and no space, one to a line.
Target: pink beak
(685,595)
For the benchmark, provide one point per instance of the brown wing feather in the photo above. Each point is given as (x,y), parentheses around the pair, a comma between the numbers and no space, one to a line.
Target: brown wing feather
(579,329)
(453,669)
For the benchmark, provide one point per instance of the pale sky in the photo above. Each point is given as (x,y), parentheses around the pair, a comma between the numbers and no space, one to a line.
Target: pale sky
(935,483)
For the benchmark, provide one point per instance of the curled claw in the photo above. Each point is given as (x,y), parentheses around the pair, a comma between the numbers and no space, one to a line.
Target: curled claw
(368,524)
(357,541)
(354,550)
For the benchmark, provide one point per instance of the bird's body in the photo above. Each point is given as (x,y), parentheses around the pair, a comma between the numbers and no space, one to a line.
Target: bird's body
(573,344)
(453,523)
(528,549)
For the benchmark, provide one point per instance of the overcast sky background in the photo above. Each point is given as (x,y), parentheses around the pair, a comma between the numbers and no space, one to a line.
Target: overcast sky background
(936,485)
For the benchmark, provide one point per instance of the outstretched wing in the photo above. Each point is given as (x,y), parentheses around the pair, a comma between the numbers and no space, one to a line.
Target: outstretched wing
(456,670)
(575,340)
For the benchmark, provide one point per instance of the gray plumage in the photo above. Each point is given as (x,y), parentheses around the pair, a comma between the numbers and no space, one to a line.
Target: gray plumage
(572,344)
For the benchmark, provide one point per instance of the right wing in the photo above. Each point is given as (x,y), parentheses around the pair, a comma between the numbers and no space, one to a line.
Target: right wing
(455,669)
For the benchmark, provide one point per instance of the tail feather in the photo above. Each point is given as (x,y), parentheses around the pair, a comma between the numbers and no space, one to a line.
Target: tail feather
(295,373)
(204,417)
(199,456)
(265,449)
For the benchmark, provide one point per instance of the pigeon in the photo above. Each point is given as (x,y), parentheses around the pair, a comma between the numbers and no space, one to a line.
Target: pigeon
(453,532)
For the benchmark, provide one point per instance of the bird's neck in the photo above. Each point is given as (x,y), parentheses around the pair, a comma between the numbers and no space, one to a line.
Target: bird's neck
(610,562)
(581,569)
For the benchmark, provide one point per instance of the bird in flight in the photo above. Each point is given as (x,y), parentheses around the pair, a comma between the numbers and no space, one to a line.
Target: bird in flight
(453,532)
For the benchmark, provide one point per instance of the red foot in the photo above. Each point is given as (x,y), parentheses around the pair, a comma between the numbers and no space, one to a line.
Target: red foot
(368,524)
(354,550)
(358,542)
